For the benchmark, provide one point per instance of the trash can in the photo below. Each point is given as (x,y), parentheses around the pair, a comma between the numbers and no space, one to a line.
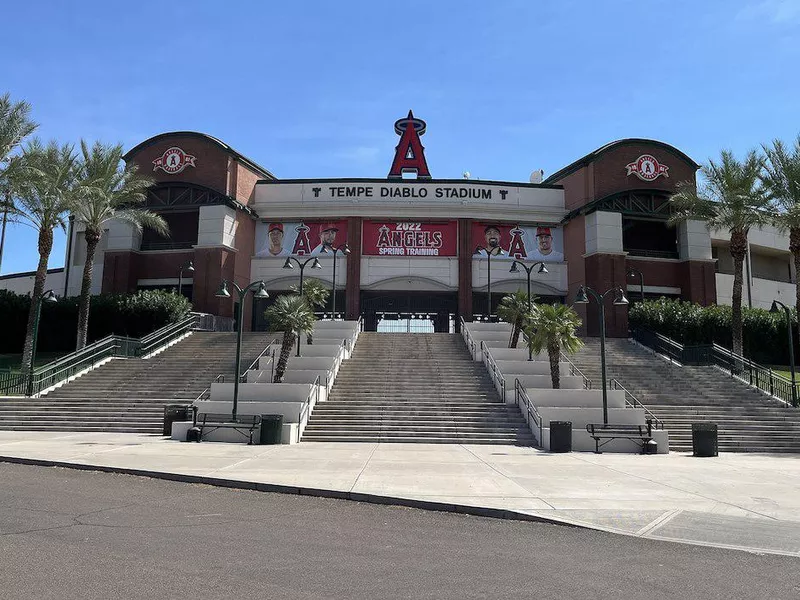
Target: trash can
(175,412)
(271,427)
(193,434)
(650,447)
(704,439)
(560,436)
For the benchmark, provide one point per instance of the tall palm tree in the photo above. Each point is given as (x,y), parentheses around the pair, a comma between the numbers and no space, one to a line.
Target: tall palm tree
(108,191)
(781,179)
(316,294)
(554,328)
(46,189)
(15,126)
(513,309)
(292,315)
(730,198)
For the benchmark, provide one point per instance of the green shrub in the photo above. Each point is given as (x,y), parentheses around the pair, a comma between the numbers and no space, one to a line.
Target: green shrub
(132,315)
(764,333)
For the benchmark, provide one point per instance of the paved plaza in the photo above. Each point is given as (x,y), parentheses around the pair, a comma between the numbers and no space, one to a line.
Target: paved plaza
(740,501)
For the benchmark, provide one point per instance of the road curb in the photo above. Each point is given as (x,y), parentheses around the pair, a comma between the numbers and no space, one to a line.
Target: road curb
(465,509)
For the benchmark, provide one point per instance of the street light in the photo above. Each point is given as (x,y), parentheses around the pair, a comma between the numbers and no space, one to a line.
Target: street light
(619,300)
(224,293)
(775,309)
(492,249)
(637,273)
(314,265)
(189,268)
(344,249)
(48,296)
(528,271)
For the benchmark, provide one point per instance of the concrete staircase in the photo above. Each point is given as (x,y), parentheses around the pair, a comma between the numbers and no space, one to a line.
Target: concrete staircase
(415,388)
(748,420)
(129,395)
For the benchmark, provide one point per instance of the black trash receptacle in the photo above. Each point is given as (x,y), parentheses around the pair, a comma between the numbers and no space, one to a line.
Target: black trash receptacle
(175,412)
(271,426)
(560,436)
(704,439)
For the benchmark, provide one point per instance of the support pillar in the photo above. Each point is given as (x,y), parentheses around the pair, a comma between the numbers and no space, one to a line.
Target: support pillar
(353,285)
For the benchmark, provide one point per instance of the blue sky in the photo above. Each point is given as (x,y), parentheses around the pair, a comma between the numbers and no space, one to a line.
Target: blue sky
(312,89)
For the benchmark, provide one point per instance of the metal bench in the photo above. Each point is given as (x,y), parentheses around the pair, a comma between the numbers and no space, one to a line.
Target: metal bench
(641,434)
(208,422)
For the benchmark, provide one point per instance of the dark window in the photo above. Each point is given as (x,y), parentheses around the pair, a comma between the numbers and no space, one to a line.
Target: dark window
(641,237)
(183,226)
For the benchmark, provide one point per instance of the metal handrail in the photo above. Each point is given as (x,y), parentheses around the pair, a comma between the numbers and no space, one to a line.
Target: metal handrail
(737,366)
(165,335)
(494,371)
(521,392)
(575,371)
(633,402)
(255,362)
(465,333)
(305,408)
(206,393)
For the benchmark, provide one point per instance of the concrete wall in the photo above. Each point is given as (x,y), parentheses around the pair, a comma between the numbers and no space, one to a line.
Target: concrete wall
(603,232)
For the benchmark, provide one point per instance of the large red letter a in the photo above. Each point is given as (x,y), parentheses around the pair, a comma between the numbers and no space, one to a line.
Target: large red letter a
(409,156)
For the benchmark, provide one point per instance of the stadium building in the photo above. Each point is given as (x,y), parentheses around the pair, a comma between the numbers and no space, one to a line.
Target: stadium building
(422,251)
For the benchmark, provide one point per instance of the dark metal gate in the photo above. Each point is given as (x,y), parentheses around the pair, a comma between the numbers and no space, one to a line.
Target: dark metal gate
(409,312)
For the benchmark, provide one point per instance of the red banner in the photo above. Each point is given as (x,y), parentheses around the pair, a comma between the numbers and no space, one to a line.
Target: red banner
(410,238)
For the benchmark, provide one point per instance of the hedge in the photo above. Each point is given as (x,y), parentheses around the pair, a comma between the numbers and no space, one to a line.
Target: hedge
(133,315)
(764,334)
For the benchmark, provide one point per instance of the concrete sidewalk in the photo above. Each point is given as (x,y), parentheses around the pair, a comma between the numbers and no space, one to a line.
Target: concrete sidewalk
(742,501)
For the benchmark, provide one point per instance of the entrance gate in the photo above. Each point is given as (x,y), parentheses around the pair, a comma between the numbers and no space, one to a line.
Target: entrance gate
(409,312)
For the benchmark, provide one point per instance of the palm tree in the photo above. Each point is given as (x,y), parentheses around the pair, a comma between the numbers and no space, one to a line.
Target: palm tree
(316,294)
(513,309)
(108,192)
(731,198)
(781,179)
(292,315)
(46,188)
(554,328)
(15,126)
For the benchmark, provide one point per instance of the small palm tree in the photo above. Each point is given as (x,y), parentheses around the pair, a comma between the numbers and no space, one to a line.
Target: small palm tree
(316,294)
(46,189)
(731,198)
(292,315)
(15,126)
(781,179)
(554,328)
(513,309)
(108,192)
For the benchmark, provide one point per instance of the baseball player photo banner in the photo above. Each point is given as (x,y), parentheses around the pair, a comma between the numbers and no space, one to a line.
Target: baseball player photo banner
(410,238)
(298,238)
(519,242)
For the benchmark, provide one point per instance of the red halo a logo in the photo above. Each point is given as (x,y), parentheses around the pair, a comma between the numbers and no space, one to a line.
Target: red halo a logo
(174,160)
(647,168)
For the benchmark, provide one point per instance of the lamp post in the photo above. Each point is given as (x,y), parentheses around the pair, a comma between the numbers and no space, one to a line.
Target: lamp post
(619,300)
(637,273)
(528,271)
(492,249)
(189,268)
(315,264)
(224,293)
(344,249)
(48,296)
(775,309)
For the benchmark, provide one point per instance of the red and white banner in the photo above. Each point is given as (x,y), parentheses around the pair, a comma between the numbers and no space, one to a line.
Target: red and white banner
(647,168)
(410,238)
(304,238)
(537,243)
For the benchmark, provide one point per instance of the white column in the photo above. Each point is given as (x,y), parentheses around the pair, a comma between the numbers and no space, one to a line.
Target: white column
(217,226)
(694,241)
(604,232)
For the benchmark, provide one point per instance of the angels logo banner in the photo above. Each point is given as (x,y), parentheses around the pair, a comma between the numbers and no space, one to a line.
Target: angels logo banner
(409,238)
(520,242)
(298,238)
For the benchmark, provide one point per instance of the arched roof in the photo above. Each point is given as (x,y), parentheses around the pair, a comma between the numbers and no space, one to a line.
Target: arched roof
(222,145)
(611,146)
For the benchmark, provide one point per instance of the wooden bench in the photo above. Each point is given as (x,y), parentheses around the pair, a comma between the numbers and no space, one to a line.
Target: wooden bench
(640,434)
(208,422)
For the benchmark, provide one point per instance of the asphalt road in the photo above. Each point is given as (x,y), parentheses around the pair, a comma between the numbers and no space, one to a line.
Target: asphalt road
(78,534)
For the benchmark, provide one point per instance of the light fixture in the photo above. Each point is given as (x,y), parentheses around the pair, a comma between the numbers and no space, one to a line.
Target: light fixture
(262,291)
(774,308)
(478,250)
(222,292)
(620,299)
(514,268)
(316,264)
(288,264)
(49,296)
(189,267)
(346,250)
(542,268)
(581,297)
